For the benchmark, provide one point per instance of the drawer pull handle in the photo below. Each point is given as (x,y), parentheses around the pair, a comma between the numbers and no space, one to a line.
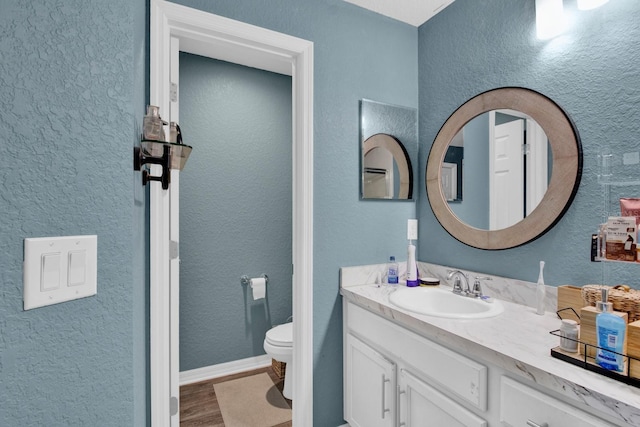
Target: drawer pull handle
(384,397)
(532,424)
(402,397)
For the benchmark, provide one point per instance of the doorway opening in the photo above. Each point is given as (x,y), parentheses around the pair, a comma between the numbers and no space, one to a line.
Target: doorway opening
(176,28)
(235,213)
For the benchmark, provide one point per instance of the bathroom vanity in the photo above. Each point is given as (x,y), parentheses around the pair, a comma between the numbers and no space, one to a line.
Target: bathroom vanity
(403,368)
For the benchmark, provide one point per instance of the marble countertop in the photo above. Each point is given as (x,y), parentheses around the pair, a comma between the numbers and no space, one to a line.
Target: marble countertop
(518,341)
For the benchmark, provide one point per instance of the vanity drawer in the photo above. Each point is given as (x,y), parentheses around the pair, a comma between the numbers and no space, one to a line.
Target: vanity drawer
(459,375)
(524,406)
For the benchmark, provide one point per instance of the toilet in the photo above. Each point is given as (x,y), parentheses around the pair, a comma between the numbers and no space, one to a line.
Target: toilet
(278,344)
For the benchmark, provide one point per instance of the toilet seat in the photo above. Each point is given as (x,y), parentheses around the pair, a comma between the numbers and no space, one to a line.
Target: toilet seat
(281,335)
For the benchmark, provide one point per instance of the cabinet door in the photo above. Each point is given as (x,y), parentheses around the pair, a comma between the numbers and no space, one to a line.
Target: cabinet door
(370,386)
(423,406)
(464,377)
(524,406)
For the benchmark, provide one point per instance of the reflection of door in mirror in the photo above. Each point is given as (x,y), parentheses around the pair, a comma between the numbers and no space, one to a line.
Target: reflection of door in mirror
(508,173)
(378,174)
(519,165)
(449,181)
(452,170)
(386,169)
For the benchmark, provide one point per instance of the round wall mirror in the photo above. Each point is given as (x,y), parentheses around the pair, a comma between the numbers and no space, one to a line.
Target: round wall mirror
(503,168)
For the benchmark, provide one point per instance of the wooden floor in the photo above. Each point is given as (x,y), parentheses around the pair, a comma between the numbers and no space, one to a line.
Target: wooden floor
(199,405)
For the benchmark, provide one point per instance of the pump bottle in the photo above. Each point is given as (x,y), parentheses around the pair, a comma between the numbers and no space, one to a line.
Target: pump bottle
(610,333)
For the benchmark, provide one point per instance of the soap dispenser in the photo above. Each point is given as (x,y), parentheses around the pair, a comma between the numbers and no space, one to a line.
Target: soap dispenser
(610,334)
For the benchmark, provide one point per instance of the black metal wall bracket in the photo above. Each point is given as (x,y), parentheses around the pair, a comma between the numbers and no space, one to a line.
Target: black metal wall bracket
(140,159)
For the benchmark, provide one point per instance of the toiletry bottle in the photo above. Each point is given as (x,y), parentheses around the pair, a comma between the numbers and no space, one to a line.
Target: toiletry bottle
(610,333)
(540,291)
(628,243)
(392,273)
(412,267)
(152,124)
(602,241)
(569,331)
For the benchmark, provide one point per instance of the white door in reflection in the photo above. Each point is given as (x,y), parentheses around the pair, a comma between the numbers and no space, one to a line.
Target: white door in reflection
(507,179)
(518,165)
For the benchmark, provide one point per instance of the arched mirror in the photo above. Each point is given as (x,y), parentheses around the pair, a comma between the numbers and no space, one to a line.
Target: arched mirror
(389,151)
(503,168)
(386,168)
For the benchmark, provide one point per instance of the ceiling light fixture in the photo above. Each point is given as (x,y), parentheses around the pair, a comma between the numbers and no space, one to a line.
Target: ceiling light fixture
(590,4)
(550,20)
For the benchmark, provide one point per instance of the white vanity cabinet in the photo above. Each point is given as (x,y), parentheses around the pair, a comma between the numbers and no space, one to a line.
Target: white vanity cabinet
(394,377)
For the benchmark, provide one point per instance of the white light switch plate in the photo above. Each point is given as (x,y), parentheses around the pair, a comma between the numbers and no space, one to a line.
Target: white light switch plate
(412,229)
(59,269)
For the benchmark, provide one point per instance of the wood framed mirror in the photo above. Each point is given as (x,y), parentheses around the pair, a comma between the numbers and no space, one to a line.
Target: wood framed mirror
(562,181)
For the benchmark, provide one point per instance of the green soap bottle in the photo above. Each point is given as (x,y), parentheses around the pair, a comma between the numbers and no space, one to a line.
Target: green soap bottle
(610,332)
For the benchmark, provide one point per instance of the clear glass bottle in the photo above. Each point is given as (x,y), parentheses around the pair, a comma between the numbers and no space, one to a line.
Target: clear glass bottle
(569,335)
(392,272)
(174,131)
(152,124)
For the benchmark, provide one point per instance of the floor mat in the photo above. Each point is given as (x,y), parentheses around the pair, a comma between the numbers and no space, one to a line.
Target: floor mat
(252,401)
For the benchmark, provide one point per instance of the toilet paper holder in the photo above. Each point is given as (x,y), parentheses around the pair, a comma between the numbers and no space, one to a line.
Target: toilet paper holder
(245,280)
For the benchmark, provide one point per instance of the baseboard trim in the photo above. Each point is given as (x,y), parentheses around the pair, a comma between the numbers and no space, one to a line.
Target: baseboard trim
(223,369)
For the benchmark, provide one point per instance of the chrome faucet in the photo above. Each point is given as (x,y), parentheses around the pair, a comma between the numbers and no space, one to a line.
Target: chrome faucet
(476,291)
(457,282)
(473,292)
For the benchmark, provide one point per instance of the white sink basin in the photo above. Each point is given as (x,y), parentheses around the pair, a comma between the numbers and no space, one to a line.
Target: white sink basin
(444,303)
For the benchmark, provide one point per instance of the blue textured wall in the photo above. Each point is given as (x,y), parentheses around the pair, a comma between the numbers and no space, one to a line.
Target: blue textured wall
(235,208)
(357,54)
(591,72)
(70,75)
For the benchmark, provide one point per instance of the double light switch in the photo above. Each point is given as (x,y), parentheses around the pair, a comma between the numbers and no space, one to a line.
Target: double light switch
(58,269)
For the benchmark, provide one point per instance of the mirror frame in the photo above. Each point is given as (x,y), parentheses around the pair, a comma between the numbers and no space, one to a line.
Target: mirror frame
(566,173)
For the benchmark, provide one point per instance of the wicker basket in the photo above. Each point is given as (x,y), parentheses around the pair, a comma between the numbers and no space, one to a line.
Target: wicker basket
(623,298)
(279,368)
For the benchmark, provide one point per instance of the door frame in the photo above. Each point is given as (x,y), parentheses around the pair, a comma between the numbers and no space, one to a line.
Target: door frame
(217,37)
